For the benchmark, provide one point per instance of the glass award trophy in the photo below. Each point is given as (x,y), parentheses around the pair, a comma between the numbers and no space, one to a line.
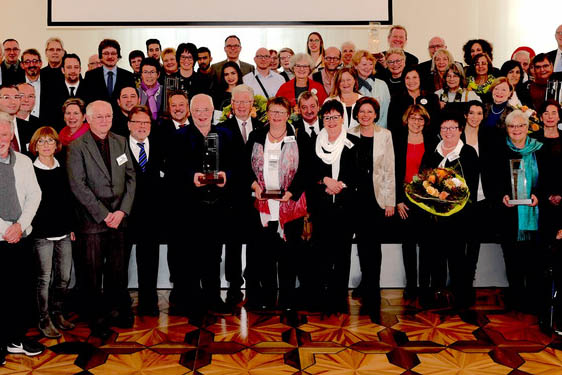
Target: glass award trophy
(519,183)
(272,191)
(211,161)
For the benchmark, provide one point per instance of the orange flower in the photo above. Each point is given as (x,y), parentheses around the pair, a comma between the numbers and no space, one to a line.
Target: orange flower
(431,179)
(443,195)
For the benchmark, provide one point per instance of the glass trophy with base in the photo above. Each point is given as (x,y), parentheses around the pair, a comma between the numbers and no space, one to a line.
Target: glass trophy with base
(273,192)
(519,183)
(211,161)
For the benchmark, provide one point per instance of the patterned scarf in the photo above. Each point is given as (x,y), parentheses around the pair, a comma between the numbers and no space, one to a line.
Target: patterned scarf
(151,92)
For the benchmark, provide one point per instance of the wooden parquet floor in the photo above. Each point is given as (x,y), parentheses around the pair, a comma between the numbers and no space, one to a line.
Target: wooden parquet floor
(408,340)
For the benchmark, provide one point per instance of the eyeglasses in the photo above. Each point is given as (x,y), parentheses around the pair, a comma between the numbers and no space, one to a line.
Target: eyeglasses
(263,57)
(34,61)
(30,96)
(277,113)
(153,72)
(449,129)
(49,141)
(416,119)
(392,62)
(541,67)
(11,97)
(238,102)
(232,46)
(189,58)
(146,123)
(331,58)
(298,66)
(54,49)
(314,40)
(109,53)
(436,46)
(202,110)
(481,63)
(103,117)
(11,49)
(332,118)
(517,126)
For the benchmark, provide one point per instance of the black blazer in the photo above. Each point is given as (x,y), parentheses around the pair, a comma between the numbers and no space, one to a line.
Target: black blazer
(57,94)
(96,89)
(145,212)
(25,132)
(400,103)
(12,77)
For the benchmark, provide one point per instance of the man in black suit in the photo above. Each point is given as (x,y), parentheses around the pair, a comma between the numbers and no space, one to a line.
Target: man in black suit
(12,72)
(143,230)
(434,44)
(397,38)
(128,98)
(240,230)
(232,48)
(105,83)
(102,179)
(31,63)
(556,55)
(27,102)
(54,51)
(10,101)
(70,85)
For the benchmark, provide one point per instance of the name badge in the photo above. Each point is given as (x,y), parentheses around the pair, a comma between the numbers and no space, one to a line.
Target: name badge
(122,160)
(289,139)
(348,143)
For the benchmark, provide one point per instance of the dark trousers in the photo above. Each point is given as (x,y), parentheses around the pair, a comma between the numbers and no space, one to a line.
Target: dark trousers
(15,289)
(484,221)
(239,233)
(413,235)
(368,233)
(147,257)
(105,258)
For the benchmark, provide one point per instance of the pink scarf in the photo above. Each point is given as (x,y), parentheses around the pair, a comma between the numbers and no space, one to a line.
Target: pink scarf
(66,137)
(150,92)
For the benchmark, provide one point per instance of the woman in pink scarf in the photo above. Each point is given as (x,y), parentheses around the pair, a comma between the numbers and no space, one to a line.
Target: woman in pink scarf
(74,111)
(150,91)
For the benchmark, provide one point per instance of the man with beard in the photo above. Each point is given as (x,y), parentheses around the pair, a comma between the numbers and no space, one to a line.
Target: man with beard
(153,49)
(70,85)
(332,60)
(31,62)
(12,71)
(264,81)
(128,98)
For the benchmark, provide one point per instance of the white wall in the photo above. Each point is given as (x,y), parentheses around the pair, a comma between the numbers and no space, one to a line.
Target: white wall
(506,23)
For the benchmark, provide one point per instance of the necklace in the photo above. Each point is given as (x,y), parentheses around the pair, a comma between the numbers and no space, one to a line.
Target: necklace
(278,137)
(497,113)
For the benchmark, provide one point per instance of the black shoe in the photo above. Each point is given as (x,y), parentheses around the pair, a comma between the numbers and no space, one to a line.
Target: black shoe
(102,332)
(124,320)
(2,357)
(220,307)
(234,296)
(27,347)
(148,311)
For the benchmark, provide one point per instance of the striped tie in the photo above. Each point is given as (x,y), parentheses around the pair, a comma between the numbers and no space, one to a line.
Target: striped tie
(142,156)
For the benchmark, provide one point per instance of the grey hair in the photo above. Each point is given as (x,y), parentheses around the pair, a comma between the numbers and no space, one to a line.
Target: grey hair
(514,115)
(348,43)
(242,88)
(300,57)
(204,96)
(54,39)
(90,107)
(394,51)
(7,118)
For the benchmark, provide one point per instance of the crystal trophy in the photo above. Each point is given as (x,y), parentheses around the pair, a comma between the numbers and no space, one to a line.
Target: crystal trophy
(211,161)
(273,192)
(519,183)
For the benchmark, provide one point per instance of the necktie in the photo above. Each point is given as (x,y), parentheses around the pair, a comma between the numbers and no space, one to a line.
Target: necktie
(14,144)
(72,91)
(142,156)
(312,133)
(110,83)
(244,134)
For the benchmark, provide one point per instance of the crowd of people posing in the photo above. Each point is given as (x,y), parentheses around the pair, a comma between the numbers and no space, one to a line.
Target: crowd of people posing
(167,155)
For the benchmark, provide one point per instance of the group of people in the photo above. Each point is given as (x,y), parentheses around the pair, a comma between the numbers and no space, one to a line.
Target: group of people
(123,158)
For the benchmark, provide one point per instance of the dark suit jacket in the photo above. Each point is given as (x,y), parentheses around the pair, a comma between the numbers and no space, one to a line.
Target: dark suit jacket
(96,89)
(25,132)
(12,77)
(57,94)
(148,193)
(97,191)
(552,56)
(244,67)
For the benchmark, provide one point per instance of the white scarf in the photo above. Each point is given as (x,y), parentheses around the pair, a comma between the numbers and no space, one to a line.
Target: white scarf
(330,152)
(453,155)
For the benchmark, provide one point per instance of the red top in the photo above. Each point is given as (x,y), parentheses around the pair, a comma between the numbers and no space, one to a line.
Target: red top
(414,154)
(287,90)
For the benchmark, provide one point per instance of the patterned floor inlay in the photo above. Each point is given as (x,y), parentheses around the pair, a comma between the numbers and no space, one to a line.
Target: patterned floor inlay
(402,339)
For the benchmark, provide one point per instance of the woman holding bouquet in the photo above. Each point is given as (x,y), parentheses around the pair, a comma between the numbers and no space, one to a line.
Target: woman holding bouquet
(276,166)
(411,142)
(449,233)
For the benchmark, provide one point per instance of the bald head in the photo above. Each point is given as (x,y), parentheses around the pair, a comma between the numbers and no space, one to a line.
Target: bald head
(263,60)
(202,110)
(100,117)
(332,58)
(435,44)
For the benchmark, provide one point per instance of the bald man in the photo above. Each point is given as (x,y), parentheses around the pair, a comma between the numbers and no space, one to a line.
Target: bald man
(264,81)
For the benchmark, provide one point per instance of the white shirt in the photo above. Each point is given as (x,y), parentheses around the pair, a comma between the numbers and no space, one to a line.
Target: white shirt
(248,126)
(177,124)
(68,86)
(271,177)
(558,61)
(307,126)
(135,149)
(271,82)
(23,148)
(37,86)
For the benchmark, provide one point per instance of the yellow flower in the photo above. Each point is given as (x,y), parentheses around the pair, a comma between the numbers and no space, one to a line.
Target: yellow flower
(253,112)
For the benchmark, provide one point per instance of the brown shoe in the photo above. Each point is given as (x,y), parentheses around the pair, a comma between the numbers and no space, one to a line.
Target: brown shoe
(62,323)
(48,329)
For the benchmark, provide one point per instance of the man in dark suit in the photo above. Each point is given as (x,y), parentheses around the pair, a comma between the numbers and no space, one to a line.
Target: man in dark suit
(31,63)
(105,83)
(397,38)
(232,48)
(240,230)
(556,55)
(69,85)
(143,230)
(12,71)
(54,51)
(102,179)
(434,44)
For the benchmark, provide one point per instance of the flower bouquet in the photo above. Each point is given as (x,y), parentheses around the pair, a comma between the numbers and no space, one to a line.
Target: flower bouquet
(440,191)
(258,110)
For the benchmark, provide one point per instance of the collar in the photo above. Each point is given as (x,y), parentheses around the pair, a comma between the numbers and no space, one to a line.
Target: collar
(134,141)
(177,123)
(40,165)
(106,70)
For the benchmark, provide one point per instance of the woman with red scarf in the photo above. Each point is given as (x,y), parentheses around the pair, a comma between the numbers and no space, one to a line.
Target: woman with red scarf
(74,111)
(276,168)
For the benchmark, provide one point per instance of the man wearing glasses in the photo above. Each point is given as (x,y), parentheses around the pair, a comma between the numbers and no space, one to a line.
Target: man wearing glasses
(31,63)
(12,72)
(105,83)
(264,81)
(326,76)
(232,48)
(10,101)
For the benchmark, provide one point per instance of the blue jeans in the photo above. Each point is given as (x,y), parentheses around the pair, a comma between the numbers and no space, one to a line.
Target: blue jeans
(52,258)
